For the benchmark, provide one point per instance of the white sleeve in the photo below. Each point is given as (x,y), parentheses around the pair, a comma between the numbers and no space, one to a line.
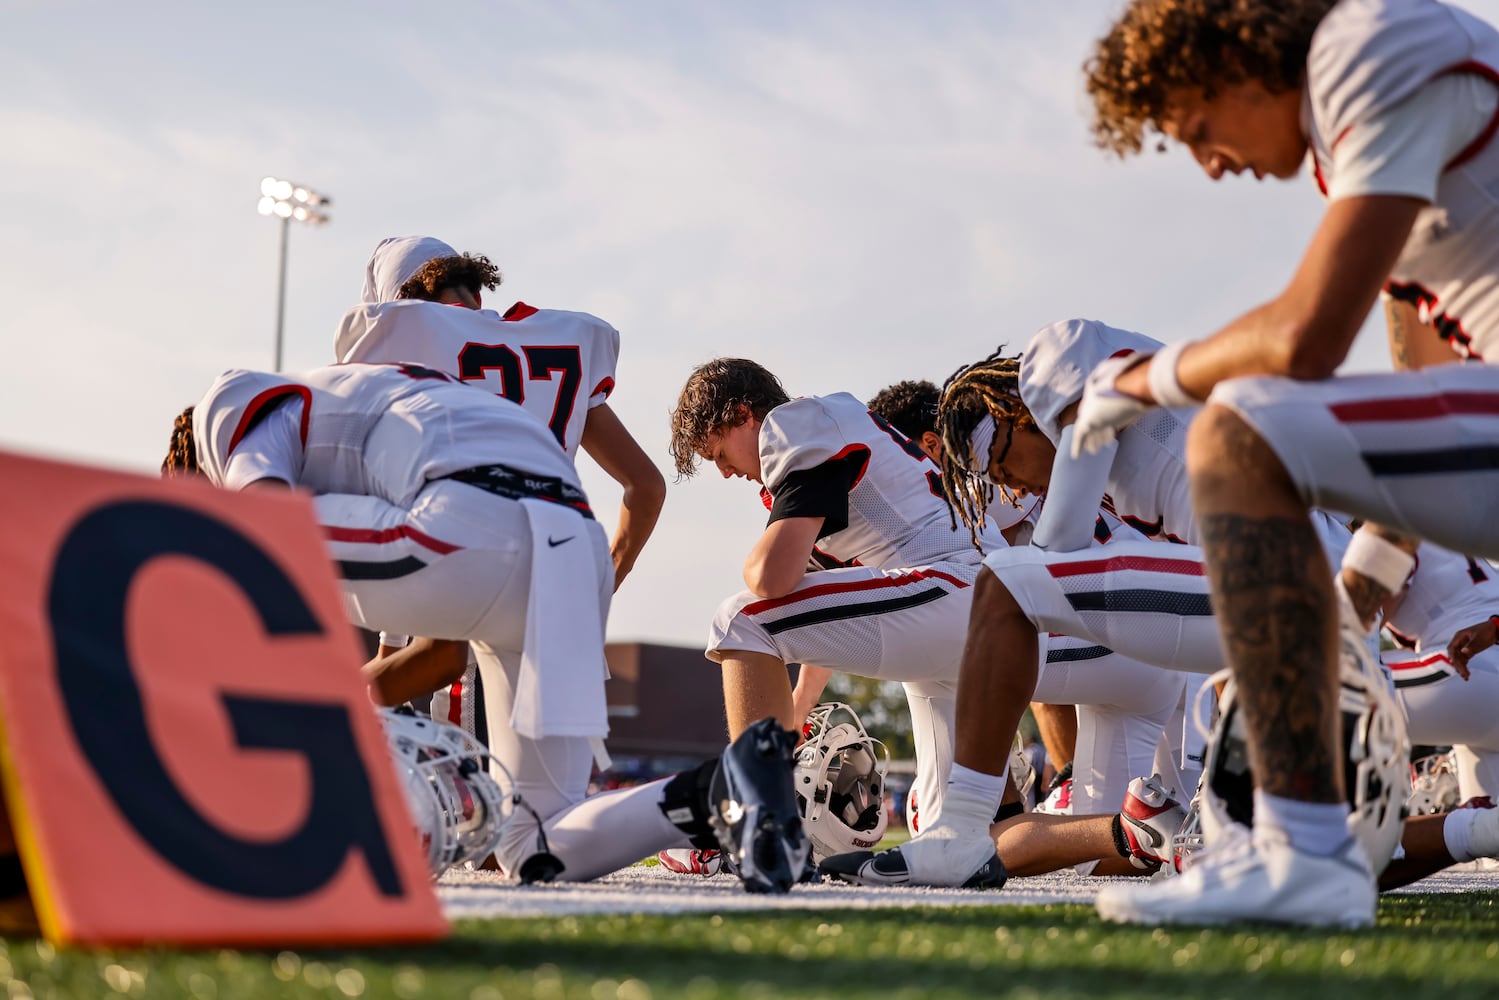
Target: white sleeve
(1057,361)
(1404,150)
(271,450)
(605,357)
(1072,497)
(798,435)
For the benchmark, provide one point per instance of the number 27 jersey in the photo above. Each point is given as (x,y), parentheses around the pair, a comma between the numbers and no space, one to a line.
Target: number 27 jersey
(555,364)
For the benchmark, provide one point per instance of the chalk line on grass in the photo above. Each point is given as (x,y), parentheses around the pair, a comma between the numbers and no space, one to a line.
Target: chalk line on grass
(654,890)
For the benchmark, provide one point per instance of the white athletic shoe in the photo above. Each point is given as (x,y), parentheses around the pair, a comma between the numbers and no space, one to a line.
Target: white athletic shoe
(1059,801)
(1150,819)
(1257,877)
(941,856)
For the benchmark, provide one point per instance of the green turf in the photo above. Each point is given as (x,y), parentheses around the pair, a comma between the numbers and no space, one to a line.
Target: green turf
(1423,946)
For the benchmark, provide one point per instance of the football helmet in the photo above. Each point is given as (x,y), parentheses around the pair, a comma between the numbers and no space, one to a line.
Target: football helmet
(1376,763)
(840,782)
(1434,787)
(458,807)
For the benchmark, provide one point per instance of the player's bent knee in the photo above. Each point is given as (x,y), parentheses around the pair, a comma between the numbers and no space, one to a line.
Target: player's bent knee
(1223,449)
(1215,429)
(735,631)
(992,600)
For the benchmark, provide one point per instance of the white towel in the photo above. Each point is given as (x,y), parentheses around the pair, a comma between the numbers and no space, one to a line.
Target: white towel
(560,691)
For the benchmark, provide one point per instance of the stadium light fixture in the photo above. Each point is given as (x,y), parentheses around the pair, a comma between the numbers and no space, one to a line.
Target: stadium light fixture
(289,202)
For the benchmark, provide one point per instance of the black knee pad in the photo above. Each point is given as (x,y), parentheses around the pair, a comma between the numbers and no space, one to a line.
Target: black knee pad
(684,802)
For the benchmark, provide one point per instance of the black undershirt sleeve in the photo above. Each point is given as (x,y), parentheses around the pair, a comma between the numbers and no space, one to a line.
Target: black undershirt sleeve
(820,492)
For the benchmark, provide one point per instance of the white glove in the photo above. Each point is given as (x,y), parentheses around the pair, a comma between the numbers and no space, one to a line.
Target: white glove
(1104,411)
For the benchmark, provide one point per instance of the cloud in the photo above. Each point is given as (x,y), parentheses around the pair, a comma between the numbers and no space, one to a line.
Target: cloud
(850,193)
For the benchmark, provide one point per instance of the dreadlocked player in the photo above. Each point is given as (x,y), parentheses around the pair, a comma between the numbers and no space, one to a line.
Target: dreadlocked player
(911,407)
(1002,423)
(1015,397)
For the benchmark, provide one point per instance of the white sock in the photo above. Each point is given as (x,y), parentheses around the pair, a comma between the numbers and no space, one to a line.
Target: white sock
(611,830)
(1471,834)
(971,798)
(1313,827)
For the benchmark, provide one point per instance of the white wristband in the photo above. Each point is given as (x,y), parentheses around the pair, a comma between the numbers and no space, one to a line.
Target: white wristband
(1162,377)
(1380,560)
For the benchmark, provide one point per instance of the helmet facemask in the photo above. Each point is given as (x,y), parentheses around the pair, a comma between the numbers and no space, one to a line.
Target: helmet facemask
(840,782)
(1376,754)
(458,808)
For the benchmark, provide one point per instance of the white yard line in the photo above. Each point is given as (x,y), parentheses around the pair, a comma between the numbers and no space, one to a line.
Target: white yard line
(653,890)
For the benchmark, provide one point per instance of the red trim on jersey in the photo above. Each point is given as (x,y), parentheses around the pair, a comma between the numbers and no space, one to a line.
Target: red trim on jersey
(1123,353)
(1317,174)
(1481,140)
(519,311)
(455,703)
(606,387)
(1447,404)
(766,499)
(1341,136)
(1429,661)
(372,536)
(1150,564)
(851,587)
(262,401)
(1400,637)
(849,450)
(1430,313)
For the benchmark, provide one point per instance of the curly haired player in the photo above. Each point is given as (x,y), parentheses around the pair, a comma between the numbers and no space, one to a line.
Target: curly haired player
(1395,103)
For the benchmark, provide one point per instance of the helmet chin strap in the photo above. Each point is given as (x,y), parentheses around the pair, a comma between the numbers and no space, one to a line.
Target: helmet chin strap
(543,866)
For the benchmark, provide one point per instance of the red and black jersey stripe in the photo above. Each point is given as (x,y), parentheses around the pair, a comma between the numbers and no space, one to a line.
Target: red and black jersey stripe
(1127,599)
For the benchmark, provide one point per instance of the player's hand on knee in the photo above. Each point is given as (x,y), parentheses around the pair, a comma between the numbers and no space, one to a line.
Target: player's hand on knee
(1471,641)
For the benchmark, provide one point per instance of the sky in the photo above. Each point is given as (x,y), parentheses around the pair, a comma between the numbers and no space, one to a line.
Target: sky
(849,193)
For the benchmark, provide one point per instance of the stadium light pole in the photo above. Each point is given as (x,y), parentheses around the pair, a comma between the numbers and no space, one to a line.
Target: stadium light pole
(290,202)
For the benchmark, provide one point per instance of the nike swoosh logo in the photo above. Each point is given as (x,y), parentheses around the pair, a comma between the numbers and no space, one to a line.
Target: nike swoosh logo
(1155,837)
(554,542)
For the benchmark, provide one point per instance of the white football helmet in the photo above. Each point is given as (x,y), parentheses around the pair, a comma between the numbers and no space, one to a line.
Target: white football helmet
(1376,765)
(1188,840)
(840,782)
(1434,787)
(458,807)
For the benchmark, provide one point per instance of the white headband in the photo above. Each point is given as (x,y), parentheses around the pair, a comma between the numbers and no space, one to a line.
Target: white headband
(980,442)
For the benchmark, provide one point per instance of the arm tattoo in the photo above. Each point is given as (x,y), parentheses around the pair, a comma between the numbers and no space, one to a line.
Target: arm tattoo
(1395,313)
(1271,590)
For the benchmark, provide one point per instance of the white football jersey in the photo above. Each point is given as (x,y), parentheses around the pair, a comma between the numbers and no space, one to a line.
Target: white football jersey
(1447,592)
(1367,56)
(897,516)
(376,430)
(555,364)
(1147,485)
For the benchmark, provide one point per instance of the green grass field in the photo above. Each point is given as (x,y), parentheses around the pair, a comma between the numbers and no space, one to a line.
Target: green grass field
(1423,946)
